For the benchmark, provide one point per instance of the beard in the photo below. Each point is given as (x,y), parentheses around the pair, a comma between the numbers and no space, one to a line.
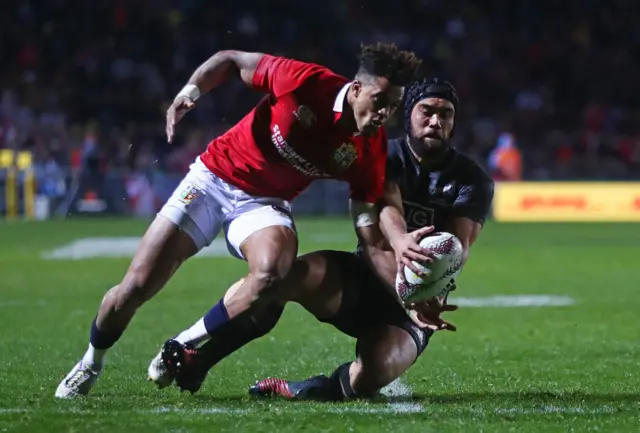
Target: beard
(429,147)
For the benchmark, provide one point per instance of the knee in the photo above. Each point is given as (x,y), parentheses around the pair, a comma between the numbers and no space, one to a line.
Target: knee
(270,273)
(266,279)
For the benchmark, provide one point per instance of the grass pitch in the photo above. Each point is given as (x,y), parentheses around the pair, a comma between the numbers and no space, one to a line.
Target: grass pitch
(508,368)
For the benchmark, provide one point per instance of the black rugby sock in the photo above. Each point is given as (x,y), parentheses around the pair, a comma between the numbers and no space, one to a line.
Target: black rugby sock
(342,382)
(103,339)
(334,388)
(216,317)
(236,333)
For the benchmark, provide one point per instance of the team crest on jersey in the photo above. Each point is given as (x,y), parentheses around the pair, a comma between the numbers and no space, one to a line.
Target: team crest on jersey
(345,155)
(445,190)
(188,194)
(305,116)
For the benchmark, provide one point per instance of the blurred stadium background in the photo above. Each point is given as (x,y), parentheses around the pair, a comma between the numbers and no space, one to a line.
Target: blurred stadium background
(549,105)
(84,93)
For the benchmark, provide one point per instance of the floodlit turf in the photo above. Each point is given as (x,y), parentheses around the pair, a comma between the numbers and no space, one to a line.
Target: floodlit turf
(569,368)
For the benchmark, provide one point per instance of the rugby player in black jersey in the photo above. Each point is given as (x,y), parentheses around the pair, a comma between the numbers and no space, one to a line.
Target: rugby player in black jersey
(429,186)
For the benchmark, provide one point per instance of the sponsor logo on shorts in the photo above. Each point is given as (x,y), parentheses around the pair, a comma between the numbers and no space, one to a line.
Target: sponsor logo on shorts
(188,194)
(345,155)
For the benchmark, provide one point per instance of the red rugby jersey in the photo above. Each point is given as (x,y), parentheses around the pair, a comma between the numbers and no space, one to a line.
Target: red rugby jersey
(292,138)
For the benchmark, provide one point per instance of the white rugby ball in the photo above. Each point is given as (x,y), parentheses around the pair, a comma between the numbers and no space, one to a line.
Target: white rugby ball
(437,277)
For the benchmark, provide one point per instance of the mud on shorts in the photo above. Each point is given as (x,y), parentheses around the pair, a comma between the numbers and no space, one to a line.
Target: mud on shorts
(366,303)
(203,205)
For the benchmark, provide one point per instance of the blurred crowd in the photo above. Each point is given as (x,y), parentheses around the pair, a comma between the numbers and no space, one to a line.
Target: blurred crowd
(90,81)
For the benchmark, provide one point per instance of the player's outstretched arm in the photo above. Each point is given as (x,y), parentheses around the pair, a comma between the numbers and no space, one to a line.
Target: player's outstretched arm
(471,209)
(209,75)
(392,222)
(222,65)
(375,248)
(467,231)
(394,228)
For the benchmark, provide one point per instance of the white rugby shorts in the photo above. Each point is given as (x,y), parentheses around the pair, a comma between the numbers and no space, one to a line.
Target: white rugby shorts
(203,204)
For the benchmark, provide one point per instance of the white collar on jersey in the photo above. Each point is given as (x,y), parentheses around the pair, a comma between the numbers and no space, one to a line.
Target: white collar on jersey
(342,94)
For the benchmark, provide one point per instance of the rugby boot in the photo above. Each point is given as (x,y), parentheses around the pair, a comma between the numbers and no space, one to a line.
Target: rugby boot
(78,382)
(315,388)
(186,364)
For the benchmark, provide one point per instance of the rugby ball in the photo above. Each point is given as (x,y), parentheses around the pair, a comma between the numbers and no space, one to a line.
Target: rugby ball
(437,277)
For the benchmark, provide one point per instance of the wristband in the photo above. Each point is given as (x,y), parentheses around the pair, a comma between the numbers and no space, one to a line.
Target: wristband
(191,91)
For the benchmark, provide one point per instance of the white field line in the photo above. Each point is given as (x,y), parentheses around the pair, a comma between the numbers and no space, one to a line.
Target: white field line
(399,390)
(550,409)
(510,301)
(396,390)
(386,409)
(200,411)
(119,247)
(23,303)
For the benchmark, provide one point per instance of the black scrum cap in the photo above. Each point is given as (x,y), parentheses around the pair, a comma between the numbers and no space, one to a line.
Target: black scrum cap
(427,88)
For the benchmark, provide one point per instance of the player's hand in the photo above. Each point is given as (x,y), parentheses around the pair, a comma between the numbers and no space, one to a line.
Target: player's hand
(408,250)
(180,106)
(428,314)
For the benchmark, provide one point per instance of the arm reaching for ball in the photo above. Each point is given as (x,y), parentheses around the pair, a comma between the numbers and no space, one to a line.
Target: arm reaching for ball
(466,227)
(394,227)
(428,314)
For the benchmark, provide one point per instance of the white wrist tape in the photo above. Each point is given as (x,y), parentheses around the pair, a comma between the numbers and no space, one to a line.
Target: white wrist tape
(191,91)
(363,214)
(365,220)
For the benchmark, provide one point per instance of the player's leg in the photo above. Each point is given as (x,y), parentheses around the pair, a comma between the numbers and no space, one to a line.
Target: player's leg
(265,237)
(385,354)
(270,253)
(388,341)
(308,275)
(163,248)
(313,281)
(185,224)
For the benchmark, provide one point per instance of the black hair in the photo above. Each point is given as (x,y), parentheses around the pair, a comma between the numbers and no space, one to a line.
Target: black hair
(387,60)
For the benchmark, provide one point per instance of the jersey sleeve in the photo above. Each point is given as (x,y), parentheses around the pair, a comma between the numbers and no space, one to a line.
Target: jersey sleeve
(474,200)
(280,75)
(367,185)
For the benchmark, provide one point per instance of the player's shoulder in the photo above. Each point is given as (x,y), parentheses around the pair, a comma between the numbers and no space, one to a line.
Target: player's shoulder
(398,151)
(468,168)
(301,69)
(397,146)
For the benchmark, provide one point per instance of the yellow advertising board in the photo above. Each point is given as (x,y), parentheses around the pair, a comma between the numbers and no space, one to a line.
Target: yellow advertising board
(567,201)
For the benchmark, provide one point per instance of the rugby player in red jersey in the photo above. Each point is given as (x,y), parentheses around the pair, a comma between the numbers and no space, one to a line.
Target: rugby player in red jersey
(312,124)
(428,183)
